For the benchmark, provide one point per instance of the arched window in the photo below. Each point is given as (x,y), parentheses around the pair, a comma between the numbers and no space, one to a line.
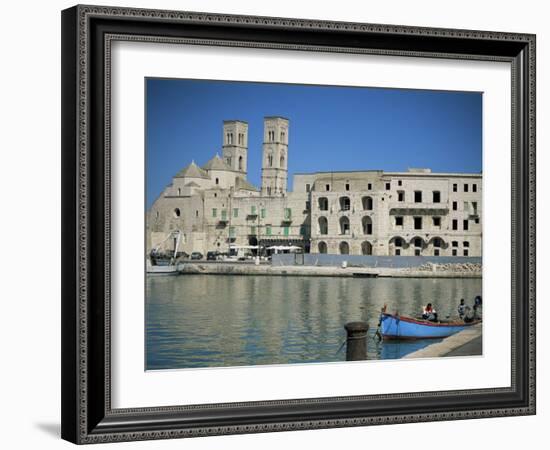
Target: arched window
(344,225)
(282,161)
(366,248)
(177,212)
(270,160)
(344,248)
(367,203)
(322,247)
(323,203)
(217,181)
(179,191)
(323,225)
(240,163)
(366,222)
(345,203)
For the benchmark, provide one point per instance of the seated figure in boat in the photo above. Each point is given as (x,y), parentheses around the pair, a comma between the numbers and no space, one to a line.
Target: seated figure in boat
(429,313)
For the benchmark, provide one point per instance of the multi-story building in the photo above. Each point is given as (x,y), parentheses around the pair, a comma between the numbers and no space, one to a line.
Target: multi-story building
(357,212)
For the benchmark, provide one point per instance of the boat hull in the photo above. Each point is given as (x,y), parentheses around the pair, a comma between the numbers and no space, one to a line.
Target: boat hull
(401,327)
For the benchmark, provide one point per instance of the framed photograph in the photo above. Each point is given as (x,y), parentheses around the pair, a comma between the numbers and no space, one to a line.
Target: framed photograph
(280,224)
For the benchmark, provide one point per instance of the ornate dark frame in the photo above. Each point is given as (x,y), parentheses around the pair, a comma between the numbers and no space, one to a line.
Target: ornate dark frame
(87,31)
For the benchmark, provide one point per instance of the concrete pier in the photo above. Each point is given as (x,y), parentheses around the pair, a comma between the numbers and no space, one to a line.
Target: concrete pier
(465,343)
(224,268)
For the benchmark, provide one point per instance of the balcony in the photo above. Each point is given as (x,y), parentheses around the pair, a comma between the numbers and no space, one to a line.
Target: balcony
(419,209)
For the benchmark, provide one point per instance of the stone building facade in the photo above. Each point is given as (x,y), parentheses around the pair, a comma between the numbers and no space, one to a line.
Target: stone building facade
(356,212)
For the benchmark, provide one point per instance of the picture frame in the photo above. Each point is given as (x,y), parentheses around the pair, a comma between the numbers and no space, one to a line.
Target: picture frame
(87,412)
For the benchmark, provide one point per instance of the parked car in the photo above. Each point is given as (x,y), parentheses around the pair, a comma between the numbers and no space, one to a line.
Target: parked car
(196,255)
(213,256)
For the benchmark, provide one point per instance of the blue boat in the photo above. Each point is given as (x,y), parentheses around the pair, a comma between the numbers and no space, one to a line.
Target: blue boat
(393,326)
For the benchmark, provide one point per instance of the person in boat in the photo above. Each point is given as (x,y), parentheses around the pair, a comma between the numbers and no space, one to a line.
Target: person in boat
(429,313)
(469,314)
(461,308)
(477,307)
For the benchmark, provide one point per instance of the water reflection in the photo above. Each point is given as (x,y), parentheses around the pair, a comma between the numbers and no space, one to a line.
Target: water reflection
(212,321)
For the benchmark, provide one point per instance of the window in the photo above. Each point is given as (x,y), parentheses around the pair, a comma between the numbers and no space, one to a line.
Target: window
(388,186)
(288,213)
(235,212)
(437,243)
(466,207)
(231,232)
(436,252)
(401,196)
(465,252)
(308,187)
(217,181)
(308,205)
(286,231)
(399,183)
(465,188)
(369,186)
(474,207)
(347,186)
(322,247)
(345,204)
(323,203)
(399,242)
(455,187)
(224,214)
(214,212)
(398,221)
(455,224)
(436,196)
(302,230)
(240,163)
(268,230)
(253,210)
(418,196)
(455,253)
(455,244)
(418,223)
(344,225)
(455,206)
(196,213)
(344,248)
(262,213)
(179,191)
(466,244)
(323,225)
(366,222)
(282,136)
(474,187)
(253,229)
(476,220)
(436,221)
(367,203)
(177,212)
(327,187)
(465,225)
(397,252)
(417,252)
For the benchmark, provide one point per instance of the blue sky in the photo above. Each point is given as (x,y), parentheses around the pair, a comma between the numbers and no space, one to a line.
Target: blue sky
(331,128)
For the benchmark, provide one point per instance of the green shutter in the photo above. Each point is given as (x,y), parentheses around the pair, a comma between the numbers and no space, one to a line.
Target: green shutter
(231,232)
(224,214)
(268,230)
(214,212)
(288,213)
(263,213)
(287,229)
(253,209)
(235,212)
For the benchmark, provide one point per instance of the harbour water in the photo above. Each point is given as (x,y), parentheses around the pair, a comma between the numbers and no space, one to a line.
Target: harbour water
(197,321)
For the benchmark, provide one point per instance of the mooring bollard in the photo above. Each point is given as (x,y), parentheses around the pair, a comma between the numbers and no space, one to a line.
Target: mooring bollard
(356,342)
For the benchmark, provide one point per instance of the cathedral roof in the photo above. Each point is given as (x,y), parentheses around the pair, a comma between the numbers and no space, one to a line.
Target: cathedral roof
(192,171)
(216,163)
(241,183)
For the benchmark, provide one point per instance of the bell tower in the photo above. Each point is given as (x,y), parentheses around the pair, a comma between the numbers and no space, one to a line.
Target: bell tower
(235,145)
(275,157)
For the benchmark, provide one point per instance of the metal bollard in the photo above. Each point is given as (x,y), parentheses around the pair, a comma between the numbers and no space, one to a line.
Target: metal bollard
(356,342)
